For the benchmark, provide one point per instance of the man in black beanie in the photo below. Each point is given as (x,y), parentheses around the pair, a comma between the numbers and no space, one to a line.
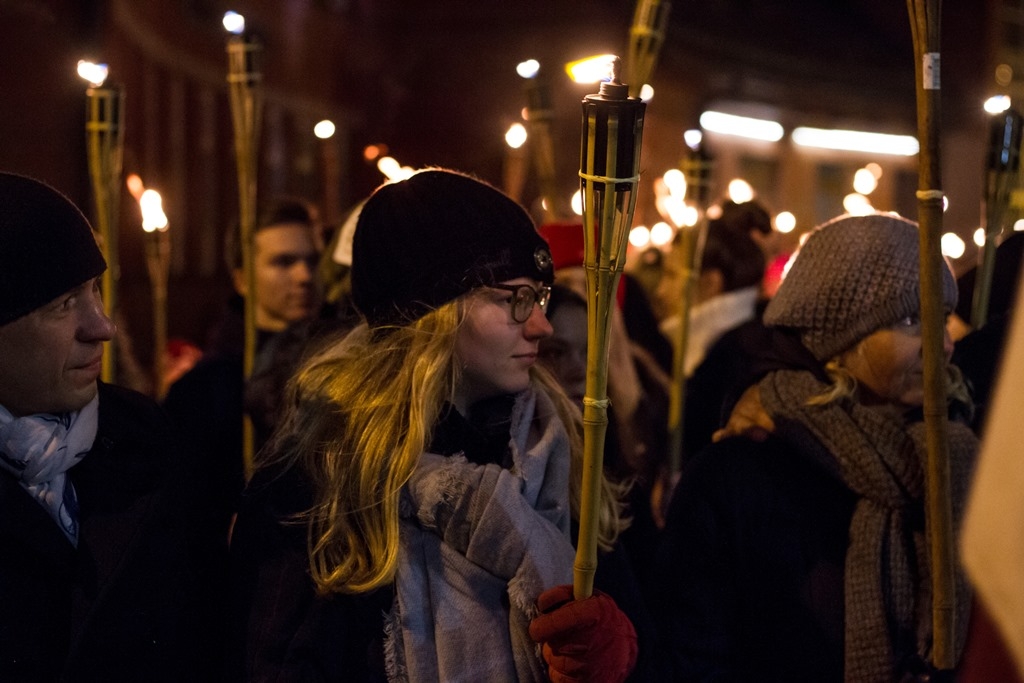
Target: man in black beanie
(97,581)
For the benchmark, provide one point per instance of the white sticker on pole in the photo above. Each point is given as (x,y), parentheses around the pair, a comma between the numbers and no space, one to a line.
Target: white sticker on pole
(930,70)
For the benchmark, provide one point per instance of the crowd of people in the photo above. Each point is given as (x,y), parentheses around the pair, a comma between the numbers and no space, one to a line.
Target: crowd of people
(412,509)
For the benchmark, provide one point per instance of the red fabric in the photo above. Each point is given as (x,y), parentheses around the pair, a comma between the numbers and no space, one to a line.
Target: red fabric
(565,240)
(986,659)
(566,243)
(584,640)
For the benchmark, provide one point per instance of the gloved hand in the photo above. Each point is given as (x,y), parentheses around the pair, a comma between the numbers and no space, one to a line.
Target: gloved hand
(584,640)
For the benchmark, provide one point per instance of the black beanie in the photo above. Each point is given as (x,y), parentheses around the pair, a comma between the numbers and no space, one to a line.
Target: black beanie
(46,246)
(427,240)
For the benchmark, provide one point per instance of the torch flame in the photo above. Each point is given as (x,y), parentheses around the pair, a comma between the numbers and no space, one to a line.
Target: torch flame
(153,217)
(135,186)
(233,23)
(591,69)
(95,73)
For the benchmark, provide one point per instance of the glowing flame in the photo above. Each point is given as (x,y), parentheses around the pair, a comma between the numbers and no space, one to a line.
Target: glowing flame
(392,170)
(233,22)
(785,222)
(864,181)
(661,234)
(515,136)
(324,129)
(693,137)
(577,202)
(952,245)
(153,217)
(857,204)
(528,69)
(740,191)
(135,186)
(640,237)
(997,104)
(96,74)
(591,69)
(675,181)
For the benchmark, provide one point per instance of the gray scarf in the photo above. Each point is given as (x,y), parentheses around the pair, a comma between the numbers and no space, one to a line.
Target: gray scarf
(879,456)
(478,544)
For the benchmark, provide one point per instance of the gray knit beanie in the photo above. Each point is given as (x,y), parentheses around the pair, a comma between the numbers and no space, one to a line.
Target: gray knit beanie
(46,246)
(853,275)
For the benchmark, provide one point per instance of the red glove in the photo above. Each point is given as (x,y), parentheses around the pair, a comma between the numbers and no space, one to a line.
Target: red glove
(584,641)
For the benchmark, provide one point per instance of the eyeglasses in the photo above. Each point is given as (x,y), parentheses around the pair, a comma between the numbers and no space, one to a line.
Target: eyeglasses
(523,299)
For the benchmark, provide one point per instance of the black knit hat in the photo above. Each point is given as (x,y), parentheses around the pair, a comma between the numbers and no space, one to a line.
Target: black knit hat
(853,275)
(426,240)
(46,246)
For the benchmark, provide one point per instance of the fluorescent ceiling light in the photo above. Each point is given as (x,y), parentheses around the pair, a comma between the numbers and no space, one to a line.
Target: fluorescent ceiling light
(742,126)
(856,141)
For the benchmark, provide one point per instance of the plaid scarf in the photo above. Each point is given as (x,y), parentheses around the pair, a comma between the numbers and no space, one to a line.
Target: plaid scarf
(880,457)
(39,449)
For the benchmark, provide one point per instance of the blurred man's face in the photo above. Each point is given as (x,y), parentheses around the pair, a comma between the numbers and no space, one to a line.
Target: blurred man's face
(284,261)
(51,358)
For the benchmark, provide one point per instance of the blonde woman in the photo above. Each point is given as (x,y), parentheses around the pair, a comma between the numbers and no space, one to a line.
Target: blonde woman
(411,519)
(801,555)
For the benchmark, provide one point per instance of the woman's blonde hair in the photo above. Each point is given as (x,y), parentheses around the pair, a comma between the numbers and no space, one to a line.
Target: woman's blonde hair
(360,414)
(844,385)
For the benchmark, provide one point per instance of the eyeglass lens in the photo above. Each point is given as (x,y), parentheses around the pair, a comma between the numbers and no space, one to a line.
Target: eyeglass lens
(524,299)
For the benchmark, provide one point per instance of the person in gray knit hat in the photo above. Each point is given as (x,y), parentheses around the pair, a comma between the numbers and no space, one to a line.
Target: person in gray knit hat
(438,470)
(812,534)
(852,276)
(97,574)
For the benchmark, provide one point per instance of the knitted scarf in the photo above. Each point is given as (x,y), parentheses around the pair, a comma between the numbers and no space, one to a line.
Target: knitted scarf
(879,456)
(478,544)
(39,450)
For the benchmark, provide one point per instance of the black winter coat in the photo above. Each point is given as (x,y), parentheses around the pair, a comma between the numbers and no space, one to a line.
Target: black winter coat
(751,568)
(125,605)
(281,630)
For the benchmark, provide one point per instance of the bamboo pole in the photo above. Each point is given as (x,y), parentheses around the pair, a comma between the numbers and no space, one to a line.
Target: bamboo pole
(540,114)
(105,142)
(646,36)
(244,81)
(925,23)
(1001,177)
(158,252)
(697,169)
(609,174)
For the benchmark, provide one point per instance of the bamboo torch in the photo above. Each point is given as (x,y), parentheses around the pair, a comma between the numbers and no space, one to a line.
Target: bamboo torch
(696,168)
(1001,177)
(244,81)
(539,115)
(158,259)
(646,36)
(609,172)
(925,23)
(104,134)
